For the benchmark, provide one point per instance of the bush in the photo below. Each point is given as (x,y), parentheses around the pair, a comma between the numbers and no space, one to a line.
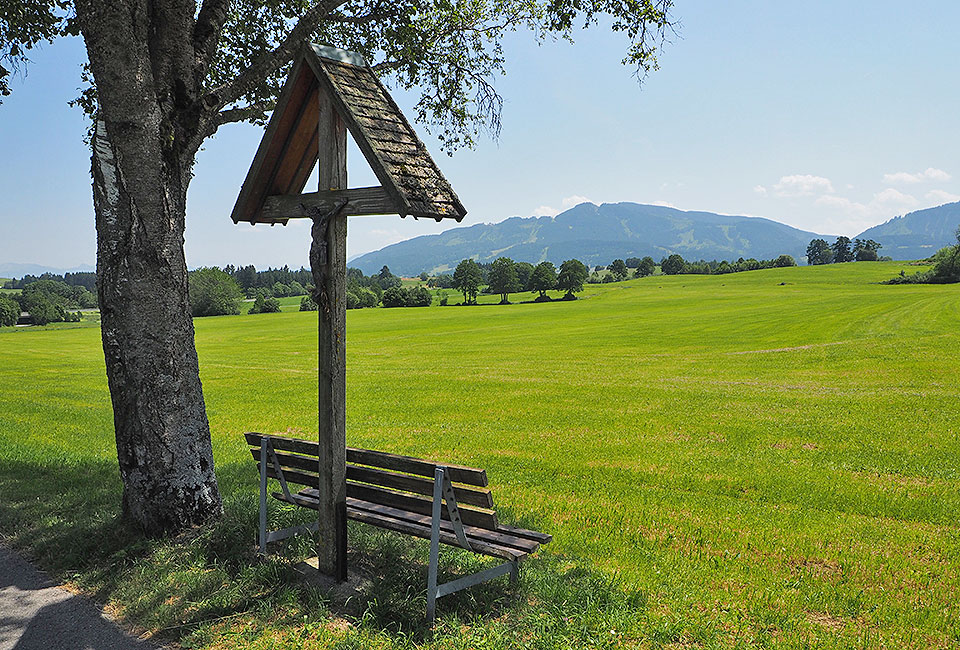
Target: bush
(419,297)
(265,306)
(307,304)
(9,312)
(352,301)
(297,289)
(214,293)
(42,308)
(394,297)
(366,298)
(786,260)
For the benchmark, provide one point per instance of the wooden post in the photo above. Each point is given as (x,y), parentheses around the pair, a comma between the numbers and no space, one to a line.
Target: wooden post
(332,512)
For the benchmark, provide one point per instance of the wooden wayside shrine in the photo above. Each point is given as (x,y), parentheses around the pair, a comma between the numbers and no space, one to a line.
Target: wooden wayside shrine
(331,91)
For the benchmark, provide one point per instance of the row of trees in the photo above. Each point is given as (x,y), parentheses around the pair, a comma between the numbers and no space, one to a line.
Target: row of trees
(676,265)
(506,276)
(842,250)
(46,301)
(218,292)
(85,279)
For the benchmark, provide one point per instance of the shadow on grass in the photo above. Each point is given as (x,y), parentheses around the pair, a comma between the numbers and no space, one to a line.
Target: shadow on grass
(208,583)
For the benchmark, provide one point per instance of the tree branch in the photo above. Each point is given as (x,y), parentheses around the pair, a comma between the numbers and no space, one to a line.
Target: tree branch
(206,32)
(260,69)
(256,111)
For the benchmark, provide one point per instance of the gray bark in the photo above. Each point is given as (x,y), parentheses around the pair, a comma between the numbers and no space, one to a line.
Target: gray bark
(141,170)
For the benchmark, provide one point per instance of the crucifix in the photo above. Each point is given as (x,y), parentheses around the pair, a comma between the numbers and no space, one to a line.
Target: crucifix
(329,92)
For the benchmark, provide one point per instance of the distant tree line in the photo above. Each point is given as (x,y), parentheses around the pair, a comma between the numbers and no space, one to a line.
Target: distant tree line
(46,300)
(842,250)
(503,276)
(945,268)
(85,279)
(219,292)
(272,283)
(675,264)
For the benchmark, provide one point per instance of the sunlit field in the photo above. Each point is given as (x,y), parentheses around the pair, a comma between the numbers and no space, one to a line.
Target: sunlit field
(765,459)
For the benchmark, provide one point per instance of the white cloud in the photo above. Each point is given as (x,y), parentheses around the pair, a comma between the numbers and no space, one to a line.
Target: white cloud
(565,204)
(844,204)
(760,189)
(665,204)
(931,174)
(895,197)
(544,211)
(861,215)
(942,196)
(802,185)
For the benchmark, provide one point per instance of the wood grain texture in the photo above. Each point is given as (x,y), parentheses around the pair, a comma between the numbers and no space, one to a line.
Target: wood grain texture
(332,332)
(361,201)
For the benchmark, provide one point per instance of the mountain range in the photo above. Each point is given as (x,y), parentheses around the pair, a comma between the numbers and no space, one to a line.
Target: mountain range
(919,234)
(598,234)
(17,270)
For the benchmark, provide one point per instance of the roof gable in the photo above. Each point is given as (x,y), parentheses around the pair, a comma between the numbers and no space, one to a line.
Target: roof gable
(412,184)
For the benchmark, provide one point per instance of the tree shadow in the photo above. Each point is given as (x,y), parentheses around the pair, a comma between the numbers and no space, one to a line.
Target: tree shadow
(67,519)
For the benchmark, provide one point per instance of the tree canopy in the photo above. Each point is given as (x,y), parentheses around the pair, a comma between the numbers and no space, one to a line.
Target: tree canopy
(572,275)
(214,293)
(543,279)
(467,278)
(503,278)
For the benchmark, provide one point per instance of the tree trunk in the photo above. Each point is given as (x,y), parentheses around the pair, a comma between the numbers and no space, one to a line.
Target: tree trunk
(141,171)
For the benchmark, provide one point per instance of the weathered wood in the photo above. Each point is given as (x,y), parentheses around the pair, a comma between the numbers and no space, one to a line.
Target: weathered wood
(520,538)
(419,466)
(473,516)
(291,145)
(256,184)
(409,527)
(416,484)
(525,544)
(361,201)
(330,279)
(382,459)
(290,173)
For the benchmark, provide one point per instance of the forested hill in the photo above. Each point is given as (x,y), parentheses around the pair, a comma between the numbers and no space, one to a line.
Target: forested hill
(595,235)
(917,235)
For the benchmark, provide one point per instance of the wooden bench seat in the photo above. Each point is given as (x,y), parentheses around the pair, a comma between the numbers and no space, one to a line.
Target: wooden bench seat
(446,504)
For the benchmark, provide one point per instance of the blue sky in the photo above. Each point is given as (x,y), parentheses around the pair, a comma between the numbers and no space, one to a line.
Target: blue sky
(828,116)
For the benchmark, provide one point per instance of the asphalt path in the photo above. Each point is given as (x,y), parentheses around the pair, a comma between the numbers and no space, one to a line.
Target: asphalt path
(37,614)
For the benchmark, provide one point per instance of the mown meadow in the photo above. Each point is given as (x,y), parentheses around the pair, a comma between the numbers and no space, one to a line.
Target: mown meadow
(764,459)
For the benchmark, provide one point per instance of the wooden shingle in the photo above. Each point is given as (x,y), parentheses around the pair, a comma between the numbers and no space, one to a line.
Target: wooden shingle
(411,182)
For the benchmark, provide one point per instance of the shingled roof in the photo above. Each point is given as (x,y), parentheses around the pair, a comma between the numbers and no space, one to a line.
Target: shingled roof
(412,184)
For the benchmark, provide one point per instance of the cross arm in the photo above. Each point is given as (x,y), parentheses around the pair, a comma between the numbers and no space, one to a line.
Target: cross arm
(359,201)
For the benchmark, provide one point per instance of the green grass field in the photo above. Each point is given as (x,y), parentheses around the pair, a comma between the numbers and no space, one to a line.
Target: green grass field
(765,459)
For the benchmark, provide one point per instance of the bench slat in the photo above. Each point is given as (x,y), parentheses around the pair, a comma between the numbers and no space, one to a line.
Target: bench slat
(395,462)
(410,465)
(538,537)
(470,516)
(524,544)
(472,496)
(473,517)
(410,528)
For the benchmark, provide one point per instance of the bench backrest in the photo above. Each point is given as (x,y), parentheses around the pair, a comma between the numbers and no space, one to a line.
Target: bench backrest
(386,479)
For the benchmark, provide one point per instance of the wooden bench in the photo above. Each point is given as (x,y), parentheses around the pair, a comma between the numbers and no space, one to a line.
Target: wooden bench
(447,504)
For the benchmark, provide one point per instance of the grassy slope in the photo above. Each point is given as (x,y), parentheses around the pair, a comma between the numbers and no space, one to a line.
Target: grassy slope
(759,463)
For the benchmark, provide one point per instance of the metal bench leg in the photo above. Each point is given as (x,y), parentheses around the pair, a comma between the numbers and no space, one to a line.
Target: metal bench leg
(515,572)
(434,548)
(263,496)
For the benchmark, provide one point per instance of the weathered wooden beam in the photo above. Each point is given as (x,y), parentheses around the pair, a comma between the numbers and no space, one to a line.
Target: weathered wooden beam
(360,201)
(330,277)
